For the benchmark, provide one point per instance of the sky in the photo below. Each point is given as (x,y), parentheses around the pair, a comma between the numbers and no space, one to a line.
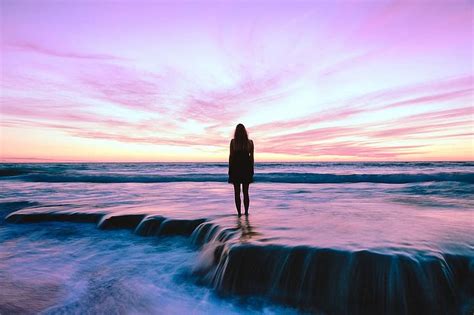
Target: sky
(169,81)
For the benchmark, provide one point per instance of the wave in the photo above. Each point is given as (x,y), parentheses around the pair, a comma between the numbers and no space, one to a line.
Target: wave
(14,171)
(302,178)
(333,281)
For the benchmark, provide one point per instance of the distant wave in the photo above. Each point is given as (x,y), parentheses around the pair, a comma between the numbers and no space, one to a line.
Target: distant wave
(400,178)
(14,171)
(302,178)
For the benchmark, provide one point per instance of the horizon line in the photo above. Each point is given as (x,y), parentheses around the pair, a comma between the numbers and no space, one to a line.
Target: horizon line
(257,162)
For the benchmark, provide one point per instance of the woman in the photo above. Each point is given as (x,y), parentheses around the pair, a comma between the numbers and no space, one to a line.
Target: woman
(241,166)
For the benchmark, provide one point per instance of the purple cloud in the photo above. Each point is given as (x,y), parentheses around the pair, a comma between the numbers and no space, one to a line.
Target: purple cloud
(39,49)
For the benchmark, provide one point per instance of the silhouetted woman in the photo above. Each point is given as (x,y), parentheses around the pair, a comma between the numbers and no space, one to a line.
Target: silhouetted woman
(241,166)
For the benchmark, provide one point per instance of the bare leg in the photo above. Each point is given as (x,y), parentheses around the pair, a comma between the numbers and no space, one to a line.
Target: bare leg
(237,198)
(245,188)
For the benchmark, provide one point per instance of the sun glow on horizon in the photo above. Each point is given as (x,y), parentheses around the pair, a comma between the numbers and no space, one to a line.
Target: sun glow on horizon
(343,81)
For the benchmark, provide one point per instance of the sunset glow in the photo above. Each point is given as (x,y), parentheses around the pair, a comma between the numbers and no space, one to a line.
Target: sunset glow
(318,81)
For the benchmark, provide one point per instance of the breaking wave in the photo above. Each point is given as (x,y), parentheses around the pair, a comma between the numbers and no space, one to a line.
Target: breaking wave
(303,178)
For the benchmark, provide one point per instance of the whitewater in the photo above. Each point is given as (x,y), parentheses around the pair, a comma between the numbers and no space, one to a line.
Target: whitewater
(326,238)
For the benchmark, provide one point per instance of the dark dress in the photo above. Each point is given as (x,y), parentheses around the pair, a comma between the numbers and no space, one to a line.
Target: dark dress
(240,168)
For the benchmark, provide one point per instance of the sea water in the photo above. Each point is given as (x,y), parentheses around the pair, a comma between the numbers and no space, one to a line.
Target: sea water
(336,238)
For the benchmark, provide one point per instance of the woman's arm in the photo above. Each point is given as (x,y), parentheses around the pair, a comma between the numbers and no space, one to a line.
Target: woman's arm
(251,154)
(231,151)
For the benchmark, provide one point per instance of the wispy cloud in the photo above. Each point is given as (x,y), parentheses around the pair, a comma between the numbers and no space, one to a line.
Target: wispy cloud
(40,49)
(441,97)
(248,90)
(339,80)
(348,150)
(124,86)
(379,101)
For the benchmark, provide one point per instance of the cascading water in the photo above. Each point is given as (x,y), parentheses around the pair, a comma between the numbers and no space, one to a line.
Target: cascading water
(318,279)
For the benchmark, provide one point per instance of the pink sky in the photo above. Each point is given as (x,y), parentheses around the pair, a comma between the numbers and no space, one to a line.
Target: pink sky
(316,80)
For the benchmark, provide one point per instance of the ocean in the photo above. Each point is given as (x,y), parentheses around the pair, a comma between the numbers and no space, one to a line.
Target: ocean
(164,238)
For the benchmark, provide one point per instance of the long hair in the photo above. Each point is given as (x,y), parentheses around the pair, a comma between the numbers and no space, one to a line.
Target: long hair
(241,138)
